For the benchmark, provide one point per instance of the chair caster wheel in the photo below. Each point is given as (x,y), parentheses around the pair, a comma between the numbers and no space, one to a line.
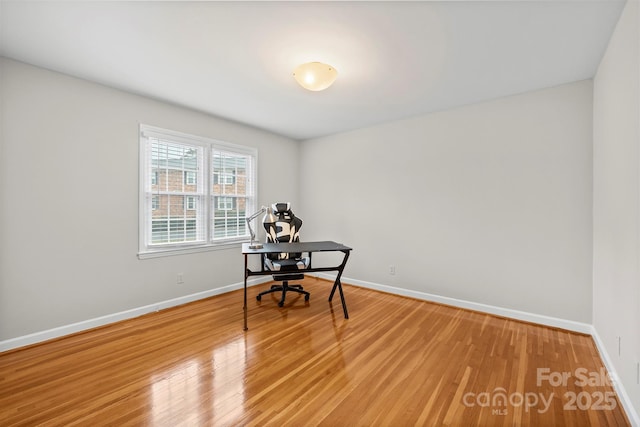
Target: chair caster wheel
(280,304)
(306,297)
(259,297)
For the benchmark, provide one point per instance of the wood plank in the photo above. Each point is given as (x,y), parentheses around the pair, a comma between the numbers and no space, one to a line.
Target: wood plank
(396,361)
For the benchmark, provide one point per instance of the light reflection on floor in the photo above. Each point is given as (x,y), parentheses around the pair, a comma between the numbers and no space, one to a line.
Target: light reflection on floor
(229,364)
(176,394)
(175,391)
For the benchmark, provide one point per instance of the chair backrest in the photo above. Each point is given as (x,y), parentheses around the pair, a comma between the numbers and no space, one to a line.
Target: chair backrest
(286,229)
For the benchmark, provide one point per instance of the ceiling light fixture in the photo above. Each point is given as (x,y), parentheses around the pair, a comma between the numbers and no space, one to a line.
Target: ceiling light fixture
(315,76)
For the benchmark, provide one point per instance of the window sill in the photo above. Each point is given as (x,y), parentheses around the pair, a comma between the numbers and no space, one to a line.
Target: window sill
(171,251)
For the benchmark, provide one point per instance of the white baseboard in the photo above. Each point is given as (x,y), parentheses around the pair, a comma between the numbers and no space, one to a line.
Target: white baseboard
(84,325)
(570,325)
(139,311)
(627,404)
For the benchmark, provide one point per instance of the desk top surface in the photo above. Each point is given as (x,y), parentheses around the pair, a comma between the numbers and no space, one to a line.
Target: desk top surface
(273,248)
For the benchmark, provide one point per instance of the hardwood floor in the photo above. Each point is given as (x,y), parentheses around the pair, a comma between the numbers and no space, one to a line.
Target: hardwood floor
(395,362)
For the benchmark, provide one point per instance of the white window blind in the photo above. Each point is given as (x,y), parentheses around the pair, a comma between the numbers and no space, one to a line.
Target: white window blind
(195,192)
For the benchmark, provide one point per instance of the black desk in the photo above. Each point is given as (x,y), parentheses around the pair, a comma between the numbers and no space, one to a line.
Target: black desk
(310,247)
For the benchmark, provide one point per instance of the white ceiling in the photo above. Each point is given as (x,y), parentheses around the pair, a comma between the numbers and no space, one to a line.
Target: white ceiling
(235,59)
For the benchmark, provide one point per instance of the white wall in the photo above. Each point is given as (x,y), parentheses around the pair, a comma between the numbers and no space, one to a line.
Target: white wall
(616,207)
(489,203)
(69,200)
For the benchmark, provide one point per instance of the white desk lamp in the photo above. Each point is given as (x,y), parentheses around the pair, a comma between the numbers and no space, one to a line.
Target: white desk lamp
(268,217)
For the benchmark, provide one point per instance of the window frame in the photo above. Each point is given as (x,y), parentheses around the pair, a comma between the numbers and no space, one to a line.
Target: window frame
(146,249)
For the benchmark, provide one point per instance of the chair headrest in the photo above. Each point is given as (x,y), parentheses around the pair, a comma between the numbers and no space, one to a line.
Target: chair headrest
(281,208)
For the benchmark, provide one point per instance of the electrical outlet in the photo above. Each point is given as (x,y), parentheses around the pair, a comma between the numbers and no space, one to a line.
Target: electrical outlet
(392,269)
(180,279)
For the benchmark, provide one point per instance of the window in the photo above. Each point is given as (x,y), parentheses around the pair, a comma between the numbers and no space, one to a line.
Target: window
(190,203)
(220,177)
(225,203)
(189,177)
(195,193)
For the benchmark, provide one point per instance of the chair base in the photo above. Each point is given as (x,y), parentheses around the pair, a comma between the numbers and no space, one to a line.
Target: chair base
(284,288)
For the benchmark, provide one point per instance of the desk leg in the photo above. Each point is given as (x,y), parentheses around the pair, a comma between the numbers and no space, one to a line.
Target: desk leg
(338,284)
(245,292)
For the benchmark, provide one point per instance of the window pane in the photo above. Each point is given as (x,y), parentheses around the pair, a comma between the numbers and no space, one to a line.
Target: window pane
(229,226)
(176,216)
(159,231)
(229,188)
(174,166)
(229,173)
(229,217)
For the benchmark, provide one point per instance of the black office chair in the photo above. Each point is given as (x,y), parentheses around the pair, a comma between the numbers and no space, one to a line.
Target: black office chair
(286,266)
